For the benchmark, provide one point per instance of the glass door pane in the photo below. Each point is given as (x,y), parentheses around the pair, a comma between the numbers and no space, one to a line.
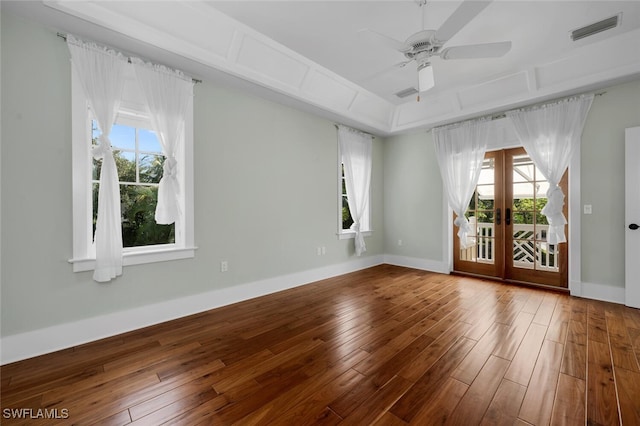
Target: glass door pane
(529,258)
(480,215)
(482,255)
(529,231)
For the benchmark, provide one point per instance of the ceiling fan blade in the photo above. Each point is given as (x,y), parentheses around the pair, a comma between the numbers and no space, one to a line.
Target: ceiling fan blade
(385,40)
(461,17)
(472,51)
(387,70)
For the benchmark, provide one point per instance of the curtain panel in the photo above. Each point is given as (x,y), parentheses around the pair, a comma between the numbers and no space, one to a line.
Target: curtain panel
(356,151)
(101,73)
(167,93)
(460,150)
(550,134)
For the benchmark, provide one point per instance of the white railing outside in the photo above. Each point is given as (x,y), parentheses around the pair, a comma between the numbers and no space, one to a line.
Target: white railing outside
(528,253)
(484,250)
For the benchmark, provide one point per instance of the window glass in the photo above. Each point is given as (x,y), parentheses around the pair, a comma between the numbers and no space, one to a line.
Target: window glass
(139,172)
(126,165)
(347,220)
(123,137)
(148,141)
(151,168)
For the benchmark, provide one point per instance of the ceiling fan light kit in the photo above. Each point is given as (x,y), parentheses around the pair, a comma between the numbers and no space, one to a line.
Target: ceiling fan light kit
(426,79)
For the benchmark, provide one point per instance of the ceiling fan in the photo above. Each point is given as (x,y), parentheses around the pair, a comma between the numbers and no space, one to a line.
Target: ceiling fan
(423,45)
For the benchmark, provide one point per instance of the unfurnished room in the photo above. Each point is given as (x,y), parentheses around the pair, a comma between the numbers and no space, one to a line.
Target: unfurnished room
(403,212)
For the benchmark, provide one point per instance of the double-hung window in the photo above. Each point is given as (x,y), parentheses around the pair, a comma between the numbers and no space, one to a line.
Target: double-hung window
(354,185)
(139,161)
(345,220)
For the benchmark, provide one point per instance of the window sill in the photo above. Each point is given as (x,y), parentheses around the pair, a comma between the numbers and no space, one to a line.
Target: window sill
(346,235)
(139,257)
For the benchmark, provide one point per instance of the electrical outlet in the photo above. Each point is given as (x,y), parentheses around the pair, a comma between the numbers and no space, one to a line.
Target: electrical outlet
(319,251)
(399,242)
(224,266)
(324,250)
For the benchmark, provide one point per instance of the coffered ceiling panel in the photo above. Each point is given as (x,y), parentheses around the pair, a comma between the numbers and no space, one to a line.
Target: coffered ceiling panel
(332,57)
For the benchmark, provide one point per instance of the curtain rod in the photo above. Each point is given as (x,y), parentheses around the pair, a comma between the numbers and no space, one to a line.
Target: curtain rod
(499,115)
(64,37)
(337,126)
(550,101)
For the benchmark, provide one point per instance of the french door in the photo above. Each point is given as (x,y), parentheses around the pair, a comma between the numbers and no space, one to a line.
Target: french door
(509,232)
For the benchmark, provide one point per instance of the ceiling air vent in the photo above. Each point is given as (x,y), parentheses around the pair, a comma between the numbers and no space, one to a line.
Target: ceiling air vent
(589,30)
(406,92)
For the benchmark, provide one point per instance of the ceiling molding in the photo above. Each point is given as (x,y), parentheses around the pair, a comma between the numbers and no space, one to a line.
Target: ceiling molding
(239,51)
(198,32)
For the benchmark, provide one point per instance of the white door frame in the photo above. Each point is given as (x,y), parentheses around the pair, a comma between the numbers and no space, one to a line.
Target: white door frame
(632,215)
(575,214)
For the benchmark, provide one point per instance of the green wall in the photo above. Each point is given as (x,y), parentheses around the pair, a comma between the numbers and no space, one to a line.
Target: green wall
(413,199)
(602,183)
(265,194)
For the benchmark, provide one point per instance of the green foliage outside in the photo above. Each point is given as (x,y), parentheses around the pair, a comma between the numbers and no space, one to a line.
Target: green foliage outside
(138,202)
(523,210)
(347,220)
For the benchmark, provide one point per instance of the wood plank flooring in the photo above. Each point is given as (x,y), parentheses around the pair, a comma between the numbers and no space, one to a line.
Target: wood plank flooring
(382,346)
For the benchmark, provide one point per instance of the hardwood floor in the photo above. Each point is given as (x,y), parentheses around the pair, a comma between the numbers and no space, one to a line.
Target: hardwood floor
(385,346)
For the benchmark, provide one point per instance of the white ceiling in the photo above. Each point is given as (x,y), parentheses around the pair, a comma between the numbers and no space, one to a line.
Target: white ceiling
(311,54)
(327,32)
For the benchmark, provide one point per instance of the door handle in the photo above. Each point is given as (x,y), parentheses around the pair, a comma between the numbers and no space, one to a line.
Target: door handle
(507,218)
(498,217)
(634,226)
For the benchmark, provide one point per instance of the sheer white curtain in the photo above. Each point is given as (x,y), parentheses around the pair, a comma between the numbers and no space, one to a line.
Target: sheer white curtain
(356,151)
(460,150)
(100,71)
(550,134)
(167,93)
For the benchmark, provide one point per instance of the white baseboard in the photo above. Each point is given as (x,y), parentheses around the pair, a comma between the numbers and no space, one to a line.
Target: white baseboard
(412,262)
(602,292)
(37,342)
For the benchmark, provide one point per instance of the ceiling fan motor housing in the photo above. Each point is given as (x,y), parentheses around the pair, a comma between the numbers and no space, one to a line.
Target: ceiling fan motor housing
(422,42)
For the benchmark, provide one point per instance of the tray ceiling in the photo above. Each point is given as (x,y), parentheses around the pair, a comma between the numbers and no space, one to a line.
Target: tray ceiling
(312,54)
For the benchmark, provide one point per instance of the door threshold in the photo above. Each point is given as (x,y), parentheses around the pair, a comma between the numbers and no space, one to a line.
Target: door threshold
(504,281)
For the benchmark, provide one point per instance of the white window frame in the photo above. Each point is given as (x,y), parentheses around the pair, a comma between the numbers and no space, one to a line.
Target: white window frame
(131,114)
(345,234)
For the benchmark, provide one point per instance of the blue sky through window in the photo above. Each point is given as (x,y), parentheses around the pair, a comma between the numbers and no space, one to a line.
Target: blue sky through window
(148,141)
(124,137)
